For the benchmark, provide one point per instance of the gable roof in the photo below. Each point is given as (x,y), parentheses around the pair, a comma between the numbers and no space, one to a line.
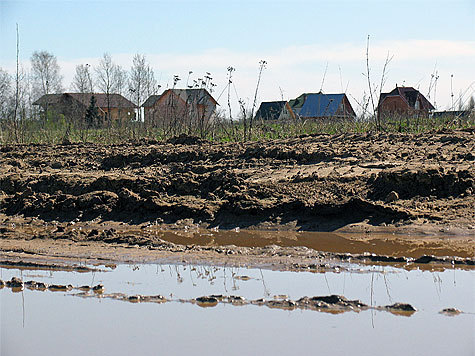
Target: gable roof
(270,110)
(409,95)
(115,100)
(320,105)
(199,96)
(152,99)
(48,99)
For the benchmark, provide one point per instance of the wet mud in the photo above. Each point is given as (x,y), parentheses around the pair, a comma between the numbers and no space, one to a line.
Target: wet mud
(174,197)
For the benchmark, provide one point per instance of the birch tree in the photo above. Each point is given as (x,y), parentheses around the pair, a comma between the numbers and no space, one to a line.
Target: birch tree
(142,82)
(45,74)
(82,81)
(5,93)
(106,78)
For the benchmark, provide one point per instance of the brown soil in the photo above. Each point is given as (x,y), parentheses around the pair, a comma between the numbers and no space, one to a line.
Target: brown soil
(360,183)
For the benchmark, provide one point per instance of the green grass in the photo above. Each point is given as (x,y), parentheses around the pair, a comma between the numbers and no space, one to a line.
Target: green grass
(59,130)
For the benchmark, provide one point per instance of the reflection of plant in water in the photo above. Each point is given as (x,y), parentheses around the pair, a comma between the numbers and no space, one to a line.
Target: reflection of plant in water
(266,291)
(387,287)
(191,269)
(437,283)
(179,278)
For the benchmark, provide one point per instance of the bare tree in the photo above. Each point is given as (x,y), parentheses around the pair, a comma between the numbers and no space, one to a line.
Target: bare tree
(5,92)
(121,81)
(82,81)
(46,78)
(106,78)
(262,65)
(142,82)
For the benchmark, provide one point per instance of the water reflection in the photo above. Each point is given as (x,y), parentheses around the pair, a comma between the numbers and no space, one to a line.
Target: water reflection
(32,320)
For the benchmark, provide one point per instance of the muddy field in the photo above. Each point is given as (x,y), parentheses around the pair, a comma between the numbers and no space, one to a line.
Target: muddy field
(130,194)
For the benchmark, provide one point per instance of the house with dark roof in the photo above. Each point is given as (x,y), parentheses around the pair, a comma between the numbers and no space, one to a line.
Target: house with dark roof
(184,105)
(403,101)
(322,106)
(74,105)
(273,111)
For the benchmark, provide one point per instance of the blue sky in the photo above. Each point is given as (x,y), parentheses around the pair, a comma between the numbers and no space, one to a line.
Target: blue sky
(298,39)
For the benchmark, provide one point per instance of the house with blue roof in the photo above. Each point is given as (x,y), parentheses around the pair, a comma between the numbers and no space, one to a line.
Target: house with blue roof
(273,111)
(322,106)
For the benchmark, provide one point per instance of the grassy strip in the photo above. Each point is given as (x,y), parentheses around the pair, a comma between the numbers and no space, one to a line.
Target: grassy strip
(54,131)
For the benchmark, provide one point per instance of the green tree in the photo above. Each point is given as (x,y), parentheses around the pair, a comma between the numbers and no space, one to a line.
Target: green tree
(92,113)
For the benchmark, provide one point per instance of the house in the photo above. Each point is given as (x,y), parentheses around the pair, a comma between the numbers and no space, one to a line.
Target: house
(403,101)
(322,106)
(74,105)
(273,111)
(184,105)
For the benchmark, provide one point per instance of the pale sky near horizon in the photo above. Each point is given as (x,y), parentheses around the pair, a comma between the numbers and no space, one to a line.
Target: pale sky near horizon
(298,39)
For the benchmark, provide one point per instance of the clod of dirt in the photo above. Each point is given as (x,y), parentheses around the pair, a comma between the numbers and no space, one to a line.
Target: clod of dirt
(450,311)
(392,196)
(184,139)
(99,288)
(134,298)
(330,302)
(206,301)
(15,282)
(60,288)
(281,304)
(400,308)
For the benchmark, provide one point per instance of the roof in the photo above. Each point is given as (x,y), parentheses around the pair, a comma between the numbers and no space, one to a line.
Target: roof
(48,99)
(270,110)
(115,100)
(320,105)
(152,99)
(298,102)
(410,95)
(198,96)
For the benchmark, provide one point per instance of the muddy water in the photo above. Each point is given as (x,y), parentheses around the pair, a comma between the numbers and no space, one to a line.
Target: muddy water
(381,244)
(38,323)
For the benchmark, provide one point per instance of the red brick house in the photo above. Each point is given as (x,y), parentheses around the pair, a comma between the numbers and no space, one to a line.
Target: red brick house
(403,101)
(74,105)
(184,105)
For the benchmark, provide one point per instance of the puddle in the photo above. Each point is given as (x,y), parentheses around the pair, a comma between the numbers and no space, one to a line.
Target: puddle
(380,244)
(35,322)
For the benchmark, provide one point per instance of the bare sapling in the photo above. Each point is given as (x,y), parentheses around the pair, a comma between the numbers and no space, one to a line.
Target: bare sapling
(262,65)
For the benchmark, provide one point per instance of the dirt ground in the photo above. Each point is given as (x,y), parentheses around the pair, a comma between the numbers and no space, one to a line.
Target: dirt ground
(418,189)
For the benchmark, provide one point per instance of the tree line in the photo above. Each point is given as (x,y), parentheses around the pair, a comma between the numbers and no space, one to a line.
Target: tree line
(19,90)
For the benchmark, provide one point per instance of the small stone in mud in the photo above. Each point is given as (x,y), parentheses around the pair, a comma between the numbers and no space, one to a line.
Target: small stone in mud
(41,286)
(450,311)
(281,304)
(60,288)
(15,282)
(154,298)
(402,307)
(206,301)
(236,300)
(134,298)
(260,301)
(98,288)
(392,196)
(30,284)
(217,296)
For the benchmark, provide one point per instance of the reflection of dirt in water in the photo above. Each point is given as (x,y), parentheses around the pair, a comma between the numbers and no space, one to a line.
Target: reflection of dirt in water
(380,244)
